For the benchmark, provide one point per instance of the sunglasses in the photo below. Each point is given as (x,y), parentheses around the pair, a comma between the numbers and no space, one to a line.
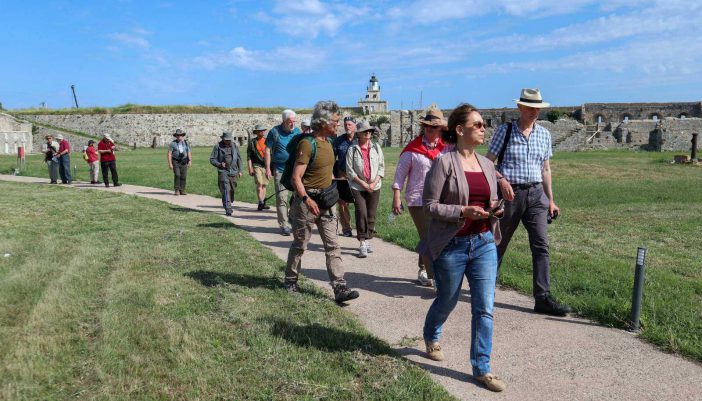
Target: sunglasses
(478,124)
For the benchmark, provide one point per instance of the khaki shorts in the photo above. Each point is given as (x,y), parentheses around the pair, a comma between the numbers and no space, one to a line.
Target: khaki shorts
(260,175)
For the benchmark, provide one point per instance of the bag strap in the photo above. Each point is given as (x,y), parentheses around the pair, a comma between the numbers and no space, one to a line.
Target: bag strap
(508,136)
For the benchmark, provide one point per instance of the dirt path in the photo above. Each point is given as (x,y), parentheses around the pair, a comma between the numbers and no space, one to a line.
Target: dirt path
(540,357)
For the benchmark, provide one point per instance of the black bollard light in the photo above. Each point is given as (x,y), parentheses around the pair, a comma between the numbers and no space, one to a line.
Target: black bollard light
(638,289)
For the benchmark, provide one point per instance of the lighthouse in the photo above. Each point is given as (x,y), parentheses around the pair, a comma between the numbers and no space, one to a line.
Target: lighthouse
(372,102)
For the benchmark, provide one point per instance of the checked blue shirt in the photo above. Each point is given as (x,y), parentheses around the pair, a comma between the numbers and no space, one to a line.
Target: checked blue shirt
(524,158)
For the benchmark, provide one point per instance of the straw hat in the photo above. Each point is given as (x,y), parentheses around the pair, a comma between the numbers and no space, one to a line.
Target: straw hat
(531,98)
(434,117)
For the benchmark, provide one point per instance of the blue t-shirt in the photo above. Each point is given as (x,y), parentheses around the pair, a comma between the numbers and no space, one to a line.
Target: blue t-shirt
(341,146)
(277,141)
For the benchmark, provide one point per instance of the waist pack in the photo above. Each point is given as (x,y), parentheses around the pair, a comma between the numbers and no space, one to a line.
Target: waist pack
(327,197)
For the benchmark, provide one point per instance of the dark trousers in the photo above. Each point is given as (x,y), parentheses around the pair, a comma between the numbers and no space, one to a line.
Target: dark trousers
(180,174)
(65,169)
(366,208)
(530,206)
(112,167)
(227,187)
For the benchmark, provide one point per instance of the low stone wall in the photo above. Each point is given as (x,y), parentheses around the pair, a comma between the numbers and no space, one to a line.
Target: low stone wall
(77,142)
(13,134)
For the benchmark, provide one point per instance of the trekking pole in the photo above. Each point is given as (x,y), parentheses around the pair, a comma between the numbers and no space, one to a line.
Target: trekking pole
(274,194)
(638,289)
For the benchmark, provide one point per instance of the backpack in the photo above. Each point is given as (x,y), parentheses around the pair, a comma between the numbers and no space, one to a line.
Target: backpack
(508,137)
(286,177)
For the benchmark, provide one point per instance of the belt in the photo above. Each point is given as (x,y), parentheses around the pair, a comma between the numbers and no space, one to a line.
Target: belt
(313,191)
(526,186)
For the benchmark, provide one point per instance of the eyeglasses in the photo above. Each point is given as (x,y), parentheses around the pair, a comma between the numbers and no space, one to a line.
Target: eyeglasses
(478,124)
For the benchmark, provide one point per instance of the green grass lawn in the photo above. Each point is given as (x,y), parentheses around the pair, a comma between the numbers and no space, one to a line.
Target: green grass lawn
(611,203)
(110,296)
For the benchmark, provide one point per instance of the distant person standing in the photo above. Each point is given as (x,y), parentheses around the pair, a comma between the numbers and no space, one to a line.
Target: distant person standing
(341,144)
(523,150)
(276,155)
(52,148)
(91,157)
(106,149)
(256,155)
(180,157)
(64,158)
(313,200)
(365,169)
(226,157)
(415,161)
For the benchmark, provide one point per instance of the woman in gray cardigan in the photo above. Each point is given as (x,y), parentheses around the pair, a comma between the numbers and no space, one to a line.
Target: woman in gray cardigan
(460,193)
(365,168)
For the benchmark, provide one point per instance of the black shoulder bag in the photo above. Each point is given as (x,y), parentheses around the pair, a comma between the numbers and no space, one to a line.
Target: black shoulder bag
(508,137)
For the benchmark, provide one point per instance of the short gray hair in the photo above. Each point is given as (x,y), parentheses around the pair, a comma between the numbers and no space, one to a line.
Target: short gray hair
(323,112)
(287,113)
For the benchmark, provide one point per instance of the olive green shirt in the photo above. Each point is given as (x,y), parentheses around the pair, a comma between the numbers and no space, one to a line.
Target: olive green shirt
(319,174)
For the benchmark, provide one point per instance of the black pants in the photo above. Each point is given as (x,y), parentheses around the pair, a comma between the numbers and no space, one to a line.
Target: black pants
(530,206)
(112,166)
(365,211)
(180,174)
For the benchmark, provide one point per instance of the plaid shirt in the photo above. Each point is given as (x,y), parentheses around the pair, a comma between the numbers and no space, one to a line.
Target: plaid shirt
(524,158)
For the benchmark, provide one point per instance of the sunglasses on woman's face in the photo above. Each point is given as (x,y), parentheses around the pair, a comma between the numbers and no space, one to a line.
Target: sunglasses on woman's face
(477,124)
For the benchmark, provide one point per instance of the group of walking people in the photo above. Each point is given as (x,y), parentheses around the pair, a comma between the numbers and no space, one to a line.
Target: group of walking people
(464,206)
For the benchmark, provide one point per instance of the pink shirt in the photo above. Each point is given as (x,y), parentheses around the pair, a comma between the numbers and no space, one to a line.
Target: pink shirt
(64,146)
(413,167)
(365,154)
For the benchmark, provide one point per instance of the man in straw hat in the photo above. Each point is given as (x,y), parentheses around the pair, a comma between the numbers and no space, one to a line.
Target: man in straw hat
(108,162)
(522,150)
(226,157)
(180,157)
(256,155)
(64,159)
(415,161)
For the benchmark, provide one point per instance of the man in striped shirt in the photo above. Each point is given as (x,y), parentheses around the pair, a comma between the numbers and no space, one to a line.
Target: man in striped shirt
(523,149)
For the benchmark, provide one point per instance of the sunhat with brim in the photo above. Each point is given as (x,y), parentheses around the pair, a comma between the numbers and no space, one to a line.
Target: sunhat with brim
(364,126)
(227,136)
(179,132)
(532,98)
(107,136)
(434,118)
(259,127)
(306,122)
(59,137)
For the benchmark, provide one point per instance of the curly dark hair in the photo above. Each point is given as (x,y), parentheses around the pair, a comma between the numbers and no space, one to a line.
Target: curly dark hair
(458,116)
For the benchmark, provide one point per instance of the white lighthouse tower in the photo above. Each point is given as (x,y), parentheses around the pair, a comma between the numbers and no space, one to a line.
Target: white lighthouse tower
(372,102)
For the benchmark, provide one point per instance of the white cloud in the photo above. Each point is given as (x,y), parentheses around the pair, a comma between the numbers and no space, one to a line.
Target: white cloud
(289,59)
(130,40)
(310,18)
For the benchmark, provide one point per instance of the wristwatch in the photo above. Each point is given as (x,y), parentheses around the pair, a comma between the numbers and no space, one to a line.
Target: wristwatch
(304,198)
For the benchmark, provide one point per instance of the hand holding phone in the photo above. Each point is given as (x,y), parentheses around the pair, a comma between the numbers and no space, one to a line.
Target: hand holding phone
(498,207)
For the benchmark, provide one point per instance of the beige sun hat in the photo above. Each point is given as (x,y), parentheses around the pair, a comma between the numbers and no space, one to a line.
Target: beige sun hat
(363,126)
(531,98)
(434,117)
(259,127)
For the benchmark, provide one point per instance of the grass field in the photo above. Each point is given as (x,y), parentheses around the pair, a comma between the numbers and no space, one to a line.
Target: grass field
(100,299)
(611,202)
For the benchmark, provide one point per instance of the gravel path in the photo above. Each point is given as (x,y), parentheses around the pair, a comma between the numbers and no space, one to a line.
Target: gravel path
(539,357)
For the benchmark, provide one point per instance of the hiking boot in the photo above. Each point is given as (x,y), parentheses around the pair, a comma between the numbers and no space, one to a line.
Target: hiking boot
(548,305)
(118,185)
(292,288)
(347,233)
(228,212)
(266,207)
(183,193)
(423,278)
(492,382)
(260,206)
(176,193)
(434,351)
(343,293)
(362,250)
(285,232)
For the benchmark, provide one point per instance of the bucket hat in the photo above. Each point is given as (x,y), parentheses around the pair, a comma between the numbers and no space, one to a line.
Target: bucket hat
(364,126)
(259,127)
(227,136)
(434,117)
(179,132)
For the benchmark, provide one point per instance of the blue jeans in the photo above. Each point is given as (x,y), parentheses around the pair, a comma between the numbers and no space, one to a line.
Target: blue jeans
(65,169)
(474,256)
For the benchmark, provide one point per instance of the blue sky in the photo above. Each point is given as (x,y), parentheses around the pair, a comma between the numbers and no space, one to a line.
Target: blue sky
(292,53)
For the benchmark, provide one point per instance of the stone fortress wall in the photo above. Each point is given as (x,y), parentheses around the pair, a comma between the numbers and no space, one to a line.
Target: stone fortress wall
(637,126)
(13,134)
(642,126)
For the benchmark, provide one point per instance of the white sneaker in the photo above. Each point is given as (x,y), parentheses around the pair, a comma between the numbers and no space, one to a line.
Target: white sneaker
(362,251)
(369,249)
(423,278)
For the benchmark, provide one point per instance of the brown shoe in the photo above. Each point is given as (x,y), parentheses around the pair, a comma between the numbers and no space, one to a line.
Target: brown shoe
(183,192)
(176,193)
(492,382)
(434,351)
